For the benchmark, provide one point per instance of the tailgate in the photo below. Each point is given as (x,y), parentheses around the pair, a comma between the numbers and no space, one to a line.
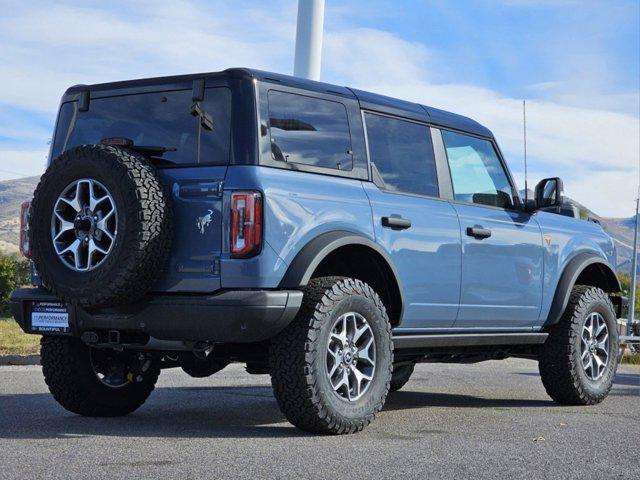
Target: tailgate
(196,193)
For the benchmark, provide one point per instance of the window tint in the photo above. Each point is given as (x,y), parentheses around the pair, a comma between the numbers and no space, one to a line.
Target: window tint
(402,153)
(309,131)
(476,171)
(215,143)
(151,119)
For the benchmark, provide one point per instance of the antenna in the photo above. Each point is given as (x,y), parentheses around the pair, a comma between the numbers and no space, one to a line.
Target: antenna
(524,118)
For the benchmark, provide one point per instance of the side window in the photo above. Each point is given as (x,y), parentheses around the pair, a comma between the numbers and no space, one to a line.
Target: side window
(309,131)
(476,171)
(402,153)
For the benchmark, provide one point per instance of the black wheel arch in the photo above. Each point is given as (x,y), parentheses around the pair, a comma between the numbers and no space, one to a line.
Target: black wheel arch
(583,269)
(312,255)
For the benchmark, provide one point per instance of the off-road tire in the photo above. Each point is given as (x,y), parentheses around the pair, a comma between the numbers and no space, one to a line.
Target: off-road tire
(401,376)
(298,359)
(559,360)
(144,226)
(67,370)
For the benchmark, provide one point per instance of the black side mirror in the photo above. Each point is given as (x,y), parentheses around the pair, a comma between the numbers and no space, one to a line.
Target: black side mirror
(549,193)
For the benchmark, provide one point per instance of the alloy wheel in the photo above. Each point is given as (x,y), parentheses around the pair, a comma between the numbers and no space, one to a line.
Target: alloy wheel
(351,356)
(84,224)
(595,346)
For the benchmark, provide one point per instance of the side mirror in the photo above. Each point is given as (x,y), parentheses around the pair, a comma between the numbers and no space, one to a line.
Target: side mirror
(549,193)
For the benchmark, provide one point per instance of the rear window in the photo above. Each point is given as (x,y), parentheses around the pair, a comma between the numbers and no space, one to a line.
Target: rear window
(161,119)
(309,131)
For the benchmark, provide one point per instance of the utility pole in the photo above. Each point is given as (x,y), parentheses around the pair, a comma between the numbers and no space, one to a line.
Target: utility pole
(309,39)
(524,131)
(634,267)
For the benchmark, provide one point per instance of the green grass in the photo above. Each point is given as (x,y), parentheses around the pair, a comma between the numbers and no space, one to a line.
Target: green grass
(631,359)
(14,341)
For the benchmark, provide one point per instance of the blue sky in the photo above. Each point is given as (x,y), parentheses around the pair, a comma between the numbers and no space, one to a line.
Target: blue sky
(576,62)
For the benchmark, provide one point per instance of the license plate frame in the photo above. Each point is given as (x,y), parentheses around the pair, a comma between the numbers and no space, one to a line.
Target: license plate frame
(49,317)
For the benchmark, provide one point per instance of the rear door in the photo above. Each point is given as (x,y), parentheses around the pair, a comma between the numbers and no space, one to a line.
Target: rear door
(417,228)
(192,169)
(196,190)
(502,256)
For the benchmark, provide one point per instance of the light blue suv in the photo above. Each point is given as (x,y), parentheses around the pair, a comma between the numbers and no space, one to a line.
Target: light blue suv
(329,237)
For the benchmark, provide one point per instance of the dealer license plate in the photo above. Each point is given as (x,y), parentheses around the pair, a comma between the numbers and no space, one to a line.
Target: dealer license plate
(49,317)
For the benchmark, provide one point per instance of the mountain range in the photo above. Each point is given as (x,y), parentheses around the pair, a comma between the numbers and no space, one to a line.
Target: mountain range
(14,192)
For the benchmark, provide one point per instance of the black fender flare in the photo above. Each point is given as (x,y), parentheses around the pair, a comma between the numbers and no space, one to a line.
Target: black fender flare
(311,255)
(568,280)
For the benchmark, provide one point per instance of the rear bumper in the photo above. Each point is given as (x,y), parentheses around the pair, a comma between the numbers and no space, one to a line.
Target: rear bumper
(230,316)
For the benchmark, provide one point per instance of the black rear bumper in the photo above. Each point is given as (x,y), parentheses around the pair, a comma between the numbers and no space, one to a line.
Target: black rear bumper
(240,316)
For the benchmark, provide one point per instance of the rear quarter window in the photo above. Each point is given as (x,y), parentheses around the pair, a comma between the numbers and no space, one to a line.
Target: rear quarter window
(402,153)
(309,131)
(152,119)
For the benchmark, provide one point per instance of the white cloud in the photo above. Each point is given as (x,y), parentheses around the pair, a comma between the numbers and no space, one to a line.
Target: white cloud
(596,151)
(589,140)
(22,163)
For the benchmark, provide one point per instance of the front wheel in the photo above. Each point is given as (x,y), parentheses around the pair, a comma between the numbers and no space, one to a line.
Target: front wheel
(331,367)
(94,382)
(579,359)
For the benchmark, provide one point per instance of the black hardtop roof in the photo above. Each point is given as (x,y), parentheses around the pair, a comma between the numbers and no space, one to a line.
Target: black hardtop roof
(368,100)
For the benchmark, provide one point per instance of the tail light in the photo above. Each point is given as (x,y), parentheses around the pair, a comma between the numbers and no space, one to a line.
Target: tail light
(25,249)
(246,224)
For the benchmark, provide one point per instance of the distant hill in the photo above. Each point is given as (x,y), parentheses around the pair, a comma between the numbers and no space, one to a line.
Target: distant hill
(620,229)
(14,192)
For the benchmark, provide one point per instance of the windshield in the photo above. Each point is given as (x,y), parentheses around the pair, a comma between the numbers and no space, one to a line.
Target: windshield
(160,119)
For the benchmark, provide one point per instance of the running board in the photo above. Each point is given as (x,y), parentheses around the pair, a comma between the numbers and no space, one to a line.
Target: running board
(406,342)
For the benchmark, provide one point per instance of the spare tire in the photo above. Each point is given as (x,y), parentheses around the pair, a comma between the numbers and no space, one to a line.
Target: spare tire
(100,226)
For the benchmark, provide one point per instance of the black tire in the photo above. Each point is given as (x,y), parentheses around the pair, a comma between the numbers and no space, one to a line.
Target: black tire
(200,367)
(144,226)
(299,366)
(401,376)
(560,363)
(70,376)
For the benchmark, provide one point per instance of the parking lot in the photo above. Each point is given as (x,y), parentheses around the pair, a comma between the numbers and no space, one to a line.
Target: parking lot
(489,420)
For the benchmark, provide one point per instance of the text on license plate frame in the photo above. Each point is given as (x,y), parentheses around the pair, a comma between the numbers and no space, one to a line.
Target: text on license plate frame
(49,317)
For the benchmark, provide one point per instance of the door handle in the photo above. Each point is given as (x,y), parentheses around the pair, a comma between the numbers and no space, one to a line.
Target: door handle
(396,222)
(478,232)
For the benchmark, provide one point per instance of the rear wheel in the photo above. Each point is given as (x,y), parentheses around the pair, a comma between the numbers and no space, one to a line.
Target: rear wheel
(94,382)
(579,359)
(331,367)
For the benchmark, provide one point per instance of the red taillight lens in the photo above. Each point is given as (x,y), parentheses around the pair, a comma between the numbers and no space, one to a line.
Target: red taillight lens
(246,224)
(25,249)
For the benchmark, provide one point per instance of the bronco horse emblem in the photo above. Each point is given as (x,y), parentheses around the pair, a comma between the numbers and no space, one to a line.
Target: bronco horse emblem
(204,222)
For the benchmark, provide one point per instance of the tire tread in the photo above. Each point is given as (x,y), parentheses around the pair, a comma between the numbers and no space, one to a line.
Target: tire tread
(294,356)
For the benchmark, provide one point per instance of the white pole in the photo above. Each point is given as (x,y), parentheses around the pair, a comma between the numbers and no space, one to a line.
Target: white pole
(309,39)
(524,126)
(634,267)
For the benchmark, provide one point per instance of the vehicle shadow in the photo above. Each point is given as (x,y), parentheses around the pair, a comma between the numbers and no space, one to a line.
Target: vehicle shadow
(200,412)
(631,379)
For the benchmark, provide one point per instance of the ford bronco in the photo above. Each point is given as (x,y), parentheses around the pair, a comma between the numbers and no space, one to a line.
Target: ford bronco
(327,236)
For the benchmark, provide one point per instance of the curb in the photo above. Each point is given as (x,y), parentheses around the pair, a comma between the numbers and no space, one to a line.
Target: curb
(19,360)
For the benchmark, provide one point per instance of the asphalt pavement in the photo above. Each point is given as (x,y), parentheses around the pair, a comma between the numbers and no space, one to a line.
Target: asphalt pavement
(488,420)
